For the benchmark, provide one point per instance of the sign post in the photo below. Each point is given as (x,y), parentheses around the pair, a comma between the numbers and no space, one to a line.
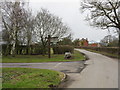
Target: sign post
(53,40)
(49,55)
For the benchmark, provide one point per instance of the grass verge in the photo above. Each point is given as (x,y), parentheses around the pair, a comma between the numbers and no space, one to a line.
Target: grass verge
(104,53)
(39,58)
(30,78)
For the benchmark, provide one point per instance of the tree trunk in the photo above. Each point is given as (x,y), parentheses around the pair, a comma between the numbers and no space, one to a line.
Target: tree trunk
(119,44)
(28,50)
(28,46)
(13,51)
(7,50)
(43,47)
(43,50)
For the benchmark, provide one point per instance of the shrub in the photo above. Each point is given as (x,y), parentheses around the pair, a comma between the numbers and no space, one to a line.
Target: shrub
(61,49)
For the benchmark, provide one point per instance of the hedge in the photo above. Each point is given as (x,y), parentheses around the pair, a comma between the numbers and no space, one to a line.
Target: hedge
(36,49)
(23,50)
(112,50)
(61,49)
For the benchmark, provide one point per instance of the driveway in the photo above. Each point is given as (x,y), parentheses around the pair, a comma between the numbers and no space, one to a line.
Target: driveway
(100,72)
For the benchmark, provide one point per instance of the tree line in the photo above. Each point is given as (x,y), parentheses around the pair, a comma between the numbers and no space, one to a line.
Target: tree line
(21,28)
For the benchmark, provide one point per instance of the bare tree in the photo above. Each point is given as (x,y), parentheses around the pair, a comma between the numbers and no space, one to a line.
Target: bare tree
(76,42)
(109,40)
(30,32)
(13,22)
(49,24)
(27,33)
(103,13)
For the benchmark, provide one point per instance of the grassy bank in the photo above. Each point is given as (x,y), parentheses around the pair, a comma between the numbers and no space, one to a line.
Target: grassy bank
(39,58)
(30,78)
(104,53)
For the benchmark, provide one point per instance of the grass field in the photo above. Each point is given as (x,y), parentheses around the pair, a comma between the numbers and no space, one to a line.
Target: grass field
(30,78)
(39,58)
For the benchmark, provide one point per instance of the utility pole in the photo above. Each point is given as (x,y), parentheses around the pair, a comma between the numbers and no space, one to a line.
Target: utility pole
(49,37)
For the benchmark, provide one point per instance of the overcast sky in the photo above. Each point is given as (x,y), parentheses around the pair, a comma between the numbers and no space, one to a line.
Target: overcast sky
(69,11)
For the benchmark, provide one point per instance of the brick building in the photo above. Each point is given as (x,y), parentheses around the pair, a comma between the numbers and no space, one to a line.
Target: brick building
(94,45)
(85,43)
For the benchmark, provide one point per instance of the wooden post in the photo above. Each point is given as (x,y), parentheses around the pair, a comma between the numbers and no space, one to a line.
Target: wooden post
(49,46)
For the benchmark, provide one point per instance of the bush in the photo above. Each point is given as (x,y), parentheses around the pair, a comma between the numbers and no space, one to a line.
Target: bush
(61,49)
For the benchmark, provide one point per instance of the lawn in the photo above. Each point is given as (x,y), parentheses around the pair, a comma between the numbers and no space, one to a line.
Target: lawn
(39,58)
(30,78)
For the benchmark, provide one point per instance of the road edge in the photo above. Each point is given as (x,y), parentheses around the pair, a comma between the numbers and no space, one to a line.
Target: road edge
(66,77)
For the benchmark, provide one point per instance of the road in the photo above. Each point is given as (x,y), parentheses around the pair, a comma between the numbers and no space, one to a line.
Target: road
(66,67)
(100,72)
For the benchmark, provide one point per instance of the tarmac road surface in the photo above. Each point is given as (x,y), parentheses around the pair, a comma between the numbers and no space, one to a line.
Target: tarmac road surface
(100,72)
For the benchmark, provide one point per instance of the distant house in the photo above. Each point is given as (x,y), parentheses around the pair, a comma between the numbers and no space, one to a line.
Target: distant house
(86,43)
(94,45)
